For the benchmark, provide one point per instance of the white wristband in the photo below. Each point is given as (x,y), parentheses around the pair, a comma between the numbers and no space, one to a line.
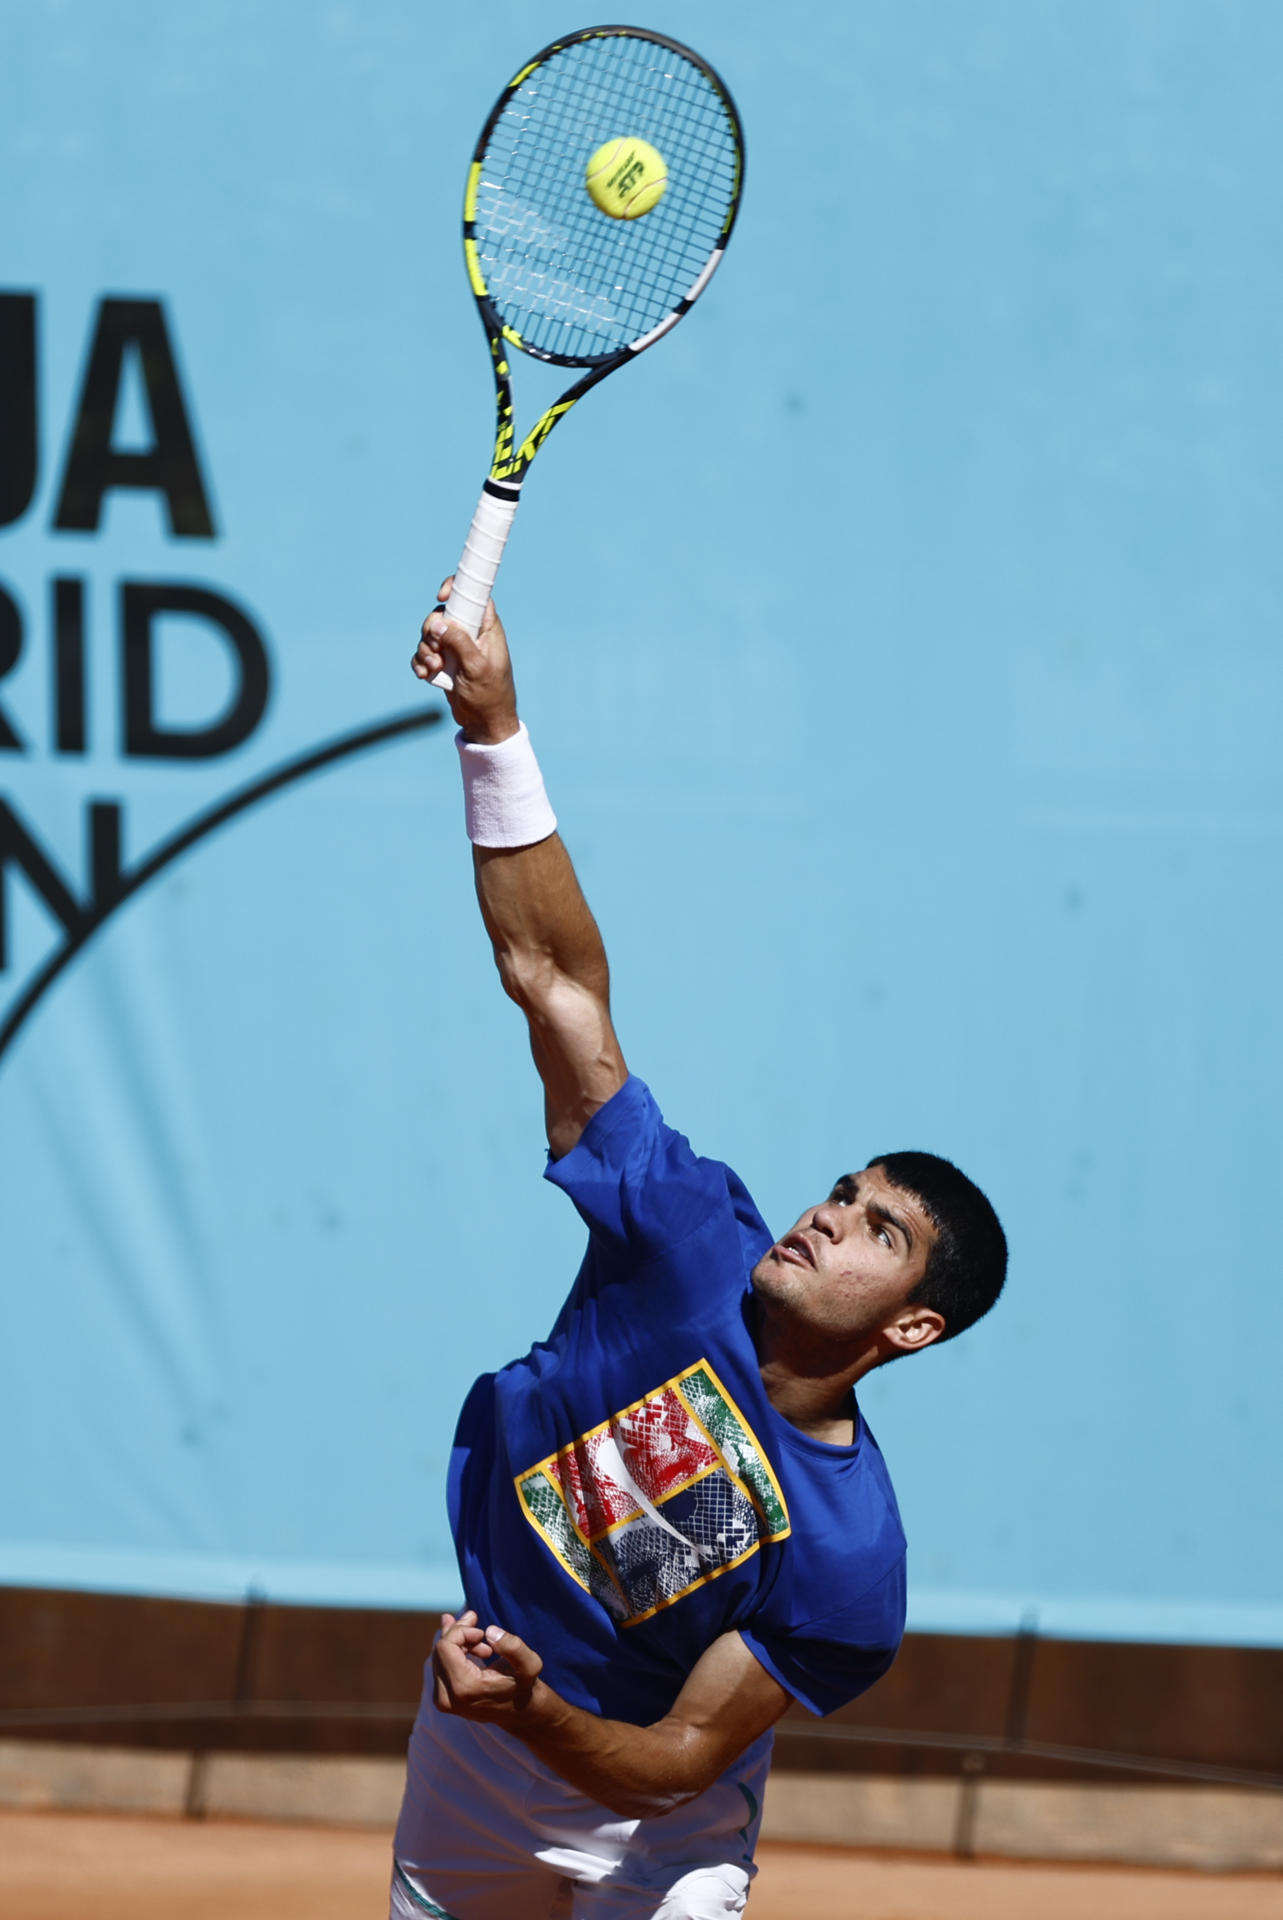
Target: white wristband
(504,802)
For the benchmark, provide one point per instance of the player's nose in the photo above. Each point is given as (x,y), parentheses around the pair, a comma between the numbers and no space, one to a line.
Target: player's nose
(825,1220)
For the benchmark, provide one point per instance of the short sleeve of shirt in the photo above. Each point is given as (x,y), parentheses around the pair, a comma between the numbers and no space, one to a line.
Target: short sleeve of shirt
(828,1662)
(638,1184)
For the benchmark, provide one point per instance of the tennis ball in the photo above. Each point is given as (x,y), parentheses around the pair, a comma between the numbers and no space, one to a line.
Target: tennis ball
(626,178)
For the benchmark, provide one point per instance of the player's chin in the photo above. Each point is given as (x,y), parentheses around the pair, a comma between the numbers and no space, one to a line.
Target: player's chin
(775,1279)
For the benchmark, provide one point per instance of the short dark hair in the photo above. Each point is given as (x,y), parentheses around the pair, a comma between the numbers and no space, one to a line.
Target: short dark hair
(968,1263)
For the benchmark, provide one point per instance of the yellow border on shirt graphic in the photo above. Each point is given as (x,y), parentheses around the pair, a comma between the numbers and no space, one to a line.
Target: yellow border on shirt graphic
(556,1481)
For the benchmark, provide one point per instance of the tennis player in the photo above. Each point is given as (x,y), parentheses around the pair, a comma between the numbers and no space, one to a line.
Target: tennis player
(670,1516)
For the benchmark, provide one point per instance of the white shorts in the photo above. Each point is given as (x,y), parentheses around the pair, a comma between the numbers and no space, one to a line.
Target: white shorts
(488,1832)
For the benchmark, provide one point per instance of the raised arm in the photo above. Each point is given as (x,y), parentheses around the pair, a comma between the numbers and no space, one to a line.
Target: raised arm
(546,944)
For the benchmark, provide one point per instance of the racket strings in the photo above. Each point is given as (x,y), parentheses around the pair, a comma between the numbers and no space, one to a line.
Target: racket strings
(565,276)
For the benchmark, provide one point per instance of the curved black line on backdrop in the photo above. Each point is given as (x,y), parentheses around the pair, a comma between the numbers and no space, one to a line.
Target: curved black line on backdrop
(199,829)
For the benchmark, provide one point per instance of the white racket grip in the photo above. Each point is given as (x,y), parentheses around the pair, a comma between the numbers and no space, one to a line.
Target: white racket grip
(478,566)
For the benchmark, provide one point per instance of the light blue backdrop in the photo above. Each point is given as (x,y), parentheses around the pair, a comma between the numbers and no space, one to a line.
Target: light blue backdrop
(902,643)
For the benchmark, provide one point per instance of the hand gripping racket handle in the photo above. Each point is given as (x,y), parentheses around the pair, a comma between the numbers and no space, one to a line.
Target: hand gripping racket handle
(475,574)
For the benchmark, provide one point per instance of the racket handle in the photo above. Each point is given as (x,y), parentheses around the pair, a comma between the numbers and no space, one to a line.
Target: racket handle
(474,576)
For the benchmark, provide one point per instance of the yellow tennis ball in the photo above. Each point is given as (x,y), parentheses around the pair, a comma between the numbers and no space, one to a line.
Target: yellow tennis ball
(626,178)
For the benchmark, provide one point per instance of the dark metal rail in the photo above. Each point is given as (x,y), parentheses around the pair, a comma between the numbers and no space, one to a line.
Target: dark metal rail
(974,1748)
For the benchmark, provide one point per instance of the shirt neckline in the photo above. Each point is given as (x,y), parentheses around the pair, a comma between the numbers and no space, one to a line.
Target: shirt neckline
(819,1449)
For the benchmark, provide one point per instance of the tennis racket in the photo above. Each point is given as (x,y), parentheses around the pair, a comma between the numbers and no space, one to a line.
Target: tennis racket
(558,277)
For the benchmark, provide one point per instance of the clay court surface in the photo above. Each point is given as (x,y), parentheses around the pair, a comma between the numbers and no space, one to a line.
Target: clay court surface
(57,1866)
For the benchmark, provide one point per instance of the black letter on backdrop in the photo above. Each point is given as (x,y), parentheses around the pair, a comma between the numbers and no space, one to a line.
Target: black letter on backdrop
(141,602)
(169,465)
(18,443)
(19,849)
(69,665)
(10,651)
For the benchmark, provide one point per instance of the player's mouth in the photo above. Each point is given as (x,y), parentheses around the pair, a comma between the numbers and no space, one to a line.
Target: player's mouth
(796,1249)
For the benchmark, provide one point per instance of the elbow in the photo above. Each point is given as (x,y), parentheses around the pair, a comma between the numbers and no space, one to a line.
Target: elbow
(553,1001)
(648,1803)
(670,1777)
(527,977)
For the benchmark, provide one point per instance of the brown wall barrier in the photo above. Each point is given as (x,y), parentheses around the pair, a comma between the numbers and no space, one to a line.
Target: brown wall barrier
(119,1669)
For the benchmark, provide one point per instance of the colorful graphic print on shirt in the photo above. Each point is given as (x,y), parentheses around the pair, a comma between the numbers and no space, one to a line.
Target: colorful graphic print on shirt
(659,1499)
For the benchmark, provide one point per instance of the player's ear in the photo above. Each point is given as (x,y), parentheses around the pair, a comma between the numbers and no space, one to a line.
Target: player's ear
(913,1327)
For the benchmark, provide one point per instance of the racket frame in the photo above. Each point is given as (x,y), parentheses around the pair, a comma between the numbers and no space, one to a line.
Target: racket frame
(483,550)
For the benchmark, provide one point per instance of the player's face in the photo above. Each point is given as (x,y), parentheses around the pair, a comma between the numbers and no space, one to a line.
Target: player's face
(848,1265)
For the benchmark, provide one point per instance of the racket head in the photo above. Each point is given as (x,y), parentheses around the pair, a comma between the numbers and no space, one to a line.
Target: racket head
(555,276)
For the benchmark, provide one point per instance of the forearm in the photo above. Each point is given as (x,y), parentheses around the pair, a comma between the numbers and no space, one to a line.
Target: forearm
(538,920)
(635,1771)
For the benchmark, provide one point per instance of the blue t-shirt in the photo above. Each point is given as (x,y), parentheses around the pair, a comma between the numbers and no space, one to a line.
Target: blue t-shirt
(626,1492)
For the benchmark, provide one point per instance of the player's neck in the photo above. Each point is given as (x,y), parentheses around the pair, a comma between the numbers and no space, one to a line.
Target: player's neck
(807,1388)
(798,1403)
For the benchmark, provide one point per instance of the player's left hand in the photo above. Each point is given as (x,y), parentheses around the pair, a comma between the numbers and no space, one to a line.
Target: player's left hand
(483,1673)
